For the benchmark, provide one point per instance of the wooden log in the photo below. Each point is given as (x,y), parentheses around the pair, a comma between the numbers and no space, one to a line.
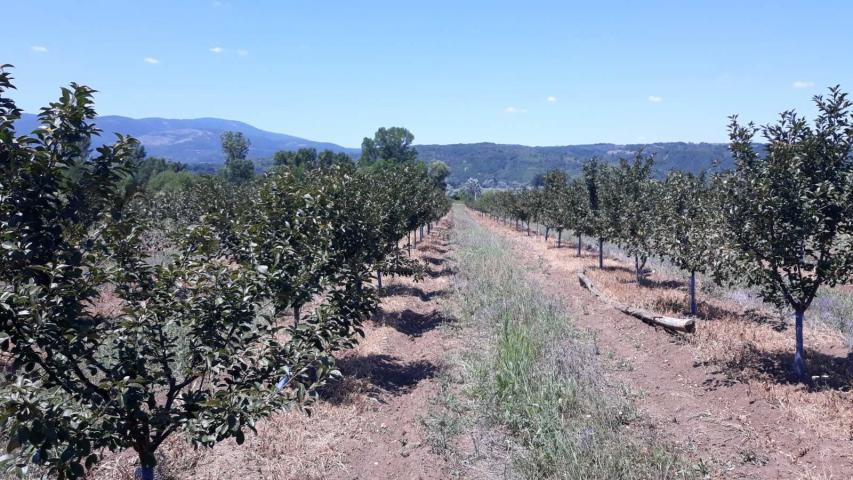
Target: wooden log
(671,323)
(587,283)
(680,324)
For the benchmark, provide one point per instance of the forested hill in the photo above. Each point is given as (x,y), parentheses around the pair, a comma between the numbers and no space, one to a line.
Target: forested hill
(192,141)
(494,164)
(196,142)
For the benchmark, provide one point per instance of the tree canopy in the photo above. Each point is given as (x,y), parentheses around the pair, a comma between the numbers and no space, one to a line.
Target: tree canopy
(235,147)
(392,144)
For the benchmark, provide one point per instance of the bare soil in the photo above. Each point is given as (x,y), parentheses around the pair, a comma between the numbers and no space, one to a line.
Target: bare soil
(723,394)
(366,426)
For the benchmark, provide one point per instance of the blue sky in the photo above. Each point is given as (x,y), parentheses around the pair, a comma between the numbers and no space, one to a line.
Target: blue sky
(529,72)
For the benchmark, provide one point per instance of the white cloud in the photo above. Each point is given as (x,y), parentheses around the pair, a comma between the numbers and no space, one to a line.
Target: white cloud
(39,48)
(552,99)
(655,99)
(217,50)
(515,110)
(242,52)
(151,60)
(803,84)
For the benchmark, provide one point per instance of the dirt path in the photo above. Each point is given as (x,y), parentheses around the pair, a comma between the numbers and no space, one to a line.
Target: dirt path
(395,369)
(366,426)
(731,428)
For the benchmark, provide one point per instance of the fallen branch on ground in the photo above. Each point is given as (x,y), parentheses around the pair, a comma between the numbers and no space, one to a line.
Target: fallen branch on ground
(680,324)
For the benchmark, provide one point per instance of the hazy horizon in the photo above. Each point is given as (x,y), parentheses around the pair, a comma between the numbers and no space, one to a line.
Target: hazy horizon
(357,147)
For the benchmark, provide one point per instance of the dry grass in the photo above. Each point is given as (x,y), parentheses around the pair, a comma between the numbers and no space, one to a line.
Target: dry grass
(289,445)
(752,343)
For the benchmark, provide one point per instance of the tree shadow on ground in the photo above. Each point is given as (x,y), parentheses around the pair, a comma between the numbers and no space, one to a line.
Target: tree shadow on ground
(439,249)
(710,312)
(397,290)
(375,374)
(614,268)
(433,260)
(667,304)
(411,323)
(443,272)
(570,247)
(826,372)
(653,284)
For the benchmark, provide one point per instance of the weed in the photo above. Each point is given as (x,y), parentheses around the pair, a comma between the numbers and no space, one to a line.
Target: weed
(537,377)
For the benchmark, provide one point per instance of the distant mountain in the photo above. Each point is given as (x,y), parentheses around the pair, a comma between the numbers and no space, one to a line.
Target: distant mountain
(497,164)
(193,141)
(196,142)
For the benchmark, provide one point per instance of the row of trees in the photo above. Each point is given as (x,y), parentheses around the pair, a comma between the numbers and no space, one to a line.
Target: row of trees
(781,221)
(310,158)
(238,168)
(126,317)
(155,174)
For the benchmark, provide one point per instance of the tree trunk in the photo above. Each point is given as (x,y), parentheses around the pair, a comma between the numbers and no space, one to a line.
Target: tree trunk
(144,473)
(580,244)
(559,238)
(693,293)
(429,228)
(800,354)
(295,317)
(379,278)
(147,462)
(601,253)
(637,269)
(409,243)
(547,231)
